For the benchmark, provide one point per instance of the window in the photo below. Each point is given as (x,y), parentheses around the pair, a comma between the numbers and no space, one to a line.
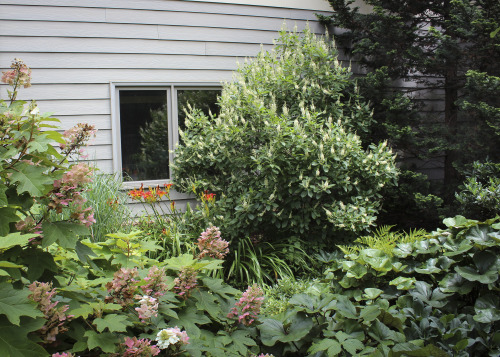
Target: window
(146,126)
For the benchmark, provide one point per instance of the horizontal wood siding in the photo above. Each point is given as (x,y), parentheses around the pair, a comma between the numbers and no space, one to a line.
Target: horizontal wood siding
(77,48)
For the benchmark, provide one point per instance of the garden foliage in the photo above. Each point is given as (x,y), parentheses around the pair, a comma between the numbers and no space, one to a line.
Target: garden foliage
(285,155)
(427,296)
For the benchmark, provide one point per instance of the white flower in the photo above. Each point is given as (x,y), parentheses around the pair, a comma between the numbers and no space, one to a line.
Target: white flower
(166,337)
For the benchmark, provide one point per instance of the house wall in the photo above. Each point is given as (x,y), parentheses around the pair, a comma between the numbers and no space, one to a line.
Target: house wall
(76,49)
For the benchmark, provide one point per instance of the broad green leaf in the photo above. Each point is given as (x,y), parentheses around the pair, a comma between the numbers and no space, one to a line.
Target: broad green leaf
(372,293)
(15,303)
(304,302)
(455,283)
(7,215)
(5,264)
(345,307)
(38,261)
(177,263)
(106,341)
(299,328)
(352,346)
(480,236)
(31,179)
(14,239)
(206,302)
(3,196)
(331,346)
(14,341)
(241,340)
(485,261)
(377,259)
(64,233)
(189,319)
(113,322)
(370,312)
(403,283)
(271,331)
(218,286)
(459,222)
(472,274)
(487,309)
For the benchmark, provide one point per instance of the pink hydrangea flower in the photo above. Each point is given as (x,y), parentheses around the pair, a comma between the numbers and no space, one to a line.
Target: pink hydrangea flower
(148,308)
(210,244)
(156,285)
(122,287)
(248,307)
(42,294)
(132,347)
(63,354)
(185,282)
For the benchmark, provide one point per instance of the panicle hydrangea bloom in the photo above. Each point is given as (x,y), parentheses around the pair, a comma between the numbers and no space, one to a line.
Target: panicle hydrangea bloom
(63,354)
(68,191)
(248,307)
(185,282)
(42,294)
(210,244)
(132,347)
(171,336)
(19,75)
(156,285)
(148,308)
(77,137)
(122,287)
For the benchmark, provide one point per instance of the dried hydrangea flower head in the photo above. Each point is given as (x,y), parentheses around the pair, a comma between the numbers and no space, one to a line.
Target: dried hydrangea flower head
(212,245)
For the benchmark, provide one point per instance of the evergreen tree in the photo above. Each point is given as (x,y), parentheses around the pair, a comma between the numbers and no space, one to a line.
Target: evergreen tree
(446,48)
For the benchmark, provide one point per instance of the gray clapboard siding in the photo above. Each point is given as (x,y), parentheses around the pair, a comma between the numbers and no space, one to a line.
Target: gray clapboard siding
(127,16)
(236,9)
(61,91)
(101,122)
(128,31)
(120,61)
(126,46)
(78,76)
(74,107)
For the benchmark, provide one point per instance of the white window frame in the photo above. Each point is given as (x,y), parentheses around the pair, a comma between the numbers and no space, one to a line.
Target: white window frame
(171,89)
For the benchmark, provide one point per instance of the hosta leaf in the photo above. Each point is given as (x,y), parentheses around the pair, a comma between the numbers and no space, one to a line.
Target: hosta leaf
(332,347)
(15,303)
(112,322)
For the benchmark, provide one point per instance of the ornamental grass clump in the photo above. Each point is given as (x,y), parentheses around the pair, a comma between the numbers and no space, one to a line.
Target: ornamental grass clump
(285,156)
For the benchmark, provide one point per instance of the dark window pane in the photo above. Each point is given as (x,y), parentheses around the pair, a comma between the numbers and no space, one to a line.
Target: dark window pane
(144,134)
(205,100)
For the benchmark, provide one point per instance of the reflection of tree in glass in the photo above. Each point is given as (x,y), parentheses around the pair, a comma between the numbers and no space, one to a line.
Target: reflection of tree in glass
(204,100)
(153,157)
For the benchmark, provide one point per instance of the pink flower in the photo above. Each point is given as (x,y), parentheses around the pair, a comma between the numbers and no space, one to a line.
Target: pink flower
(156,285)
(42,294)
(132,347)
(63,354)
(122,288)
(148,309)
(248,307)
(210,244)
(185,282)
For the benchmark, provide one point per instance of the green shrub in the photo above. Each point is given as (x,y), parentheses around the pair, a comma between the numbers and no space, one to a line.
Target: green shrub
(479,196)
(428,296)
(284,156)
